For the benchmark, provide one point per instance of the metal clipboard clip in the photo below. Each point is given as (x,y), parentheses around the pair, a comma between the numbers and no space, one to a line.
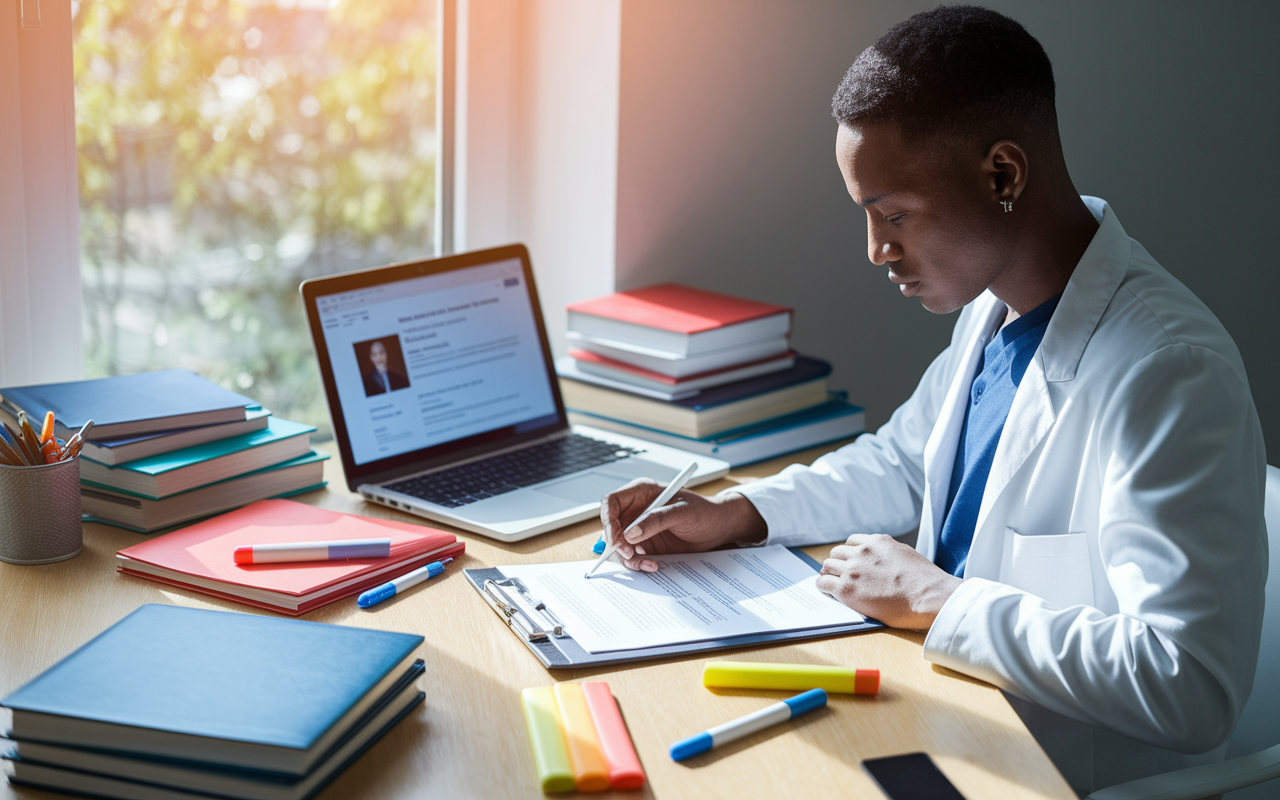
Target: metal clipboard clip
(525,614)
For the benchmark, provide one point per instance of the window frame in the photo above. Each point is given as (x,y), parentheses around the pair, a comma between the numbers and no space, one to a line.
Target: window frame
(40,195)
(40,302)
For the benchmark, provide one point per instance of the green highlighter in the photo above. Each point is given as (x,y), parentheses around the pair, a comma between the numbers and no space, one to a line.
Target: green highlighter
(550,757)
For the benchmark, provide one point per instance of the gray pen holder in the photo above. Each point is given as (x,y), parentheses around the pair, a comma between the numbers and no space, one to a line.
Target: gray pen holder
(40,512)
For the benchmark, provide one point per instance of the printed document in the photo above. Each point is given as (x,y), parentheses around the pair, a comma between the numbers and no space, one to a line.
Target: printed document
(693,597)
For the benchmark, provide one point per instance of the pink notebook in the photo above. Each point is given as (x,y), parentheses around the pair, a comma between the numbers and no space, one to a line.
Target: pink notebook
(200,557)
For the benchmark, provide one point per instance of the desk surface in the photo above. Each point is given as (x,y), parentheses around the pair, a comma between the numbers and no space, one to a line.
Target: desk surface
(468,739)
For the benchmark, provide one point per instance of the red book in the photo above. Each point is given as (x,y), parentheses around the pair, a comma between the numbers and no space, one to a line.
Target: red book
(201,557)
(678,319)
(595,364)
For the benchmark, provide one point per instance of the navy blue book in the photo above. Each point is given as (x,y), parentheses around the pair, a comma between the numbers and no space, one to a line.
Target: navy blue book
(806,369)
(128,405)
(219,687)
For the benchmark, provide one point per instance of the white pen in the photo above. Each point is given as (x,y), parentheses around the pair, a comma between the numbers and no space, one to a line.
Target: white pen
(661,500)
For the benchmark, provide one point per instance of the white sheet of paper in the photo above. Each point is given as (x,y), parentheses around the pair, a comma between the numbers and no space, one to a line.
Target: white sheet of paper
(690,598)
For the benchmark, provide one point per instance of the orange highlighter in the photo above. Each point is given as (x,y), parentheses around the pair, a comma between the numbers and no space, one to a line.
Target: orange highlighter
(620,756)
(589,772)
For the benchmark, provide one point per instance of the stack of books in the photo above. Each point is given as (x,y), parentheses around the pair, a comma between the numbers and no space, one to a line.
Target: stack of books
(173,703)
(705,372)
(167,447)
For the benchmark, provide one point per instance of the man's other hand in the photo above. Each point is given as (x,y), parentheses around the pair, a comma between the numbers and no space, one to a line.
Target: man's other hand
(888,580)
(689,523)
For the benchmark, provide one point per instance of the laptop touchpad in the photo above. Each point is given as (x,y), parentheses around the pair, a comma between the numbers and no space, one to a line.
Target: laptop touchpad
(586,488)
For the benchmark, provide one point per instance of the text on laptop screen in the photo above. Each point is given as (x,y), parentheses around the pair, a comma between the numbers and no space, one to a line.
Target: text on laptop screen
(428,360)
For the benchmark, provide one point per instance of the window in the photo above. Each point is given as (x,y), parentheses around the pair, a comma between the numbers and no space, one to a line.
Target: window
(228,150)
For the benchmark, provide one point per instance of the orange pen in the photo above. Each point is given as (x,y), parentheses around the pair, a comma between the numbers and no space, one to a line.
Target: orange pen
(46,431)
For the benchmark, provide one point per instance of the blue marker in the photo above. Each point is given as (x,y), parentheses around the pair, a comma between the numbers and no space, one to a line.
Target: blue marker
(745,726)
(405,581)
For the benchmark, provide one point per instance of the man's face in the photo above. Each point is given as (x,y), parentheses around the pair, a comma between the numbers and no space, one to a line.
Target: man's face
(930,214)
(378,355)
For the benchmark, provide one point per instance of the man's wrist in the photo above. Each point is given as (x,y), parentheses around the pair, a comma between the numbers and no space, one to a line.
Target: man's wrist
(746,527)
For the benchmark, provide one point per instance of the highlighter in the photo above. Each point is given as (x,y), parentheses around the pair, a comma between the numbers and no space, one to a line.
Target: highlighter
(550,758)
(589,771)
(793,677)
(625,771)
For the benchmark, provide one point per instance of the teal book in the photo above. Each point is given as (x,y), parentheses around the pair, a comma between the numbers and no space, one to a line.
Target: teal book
(166,474)
(126,405)
(218,687)
(142,514)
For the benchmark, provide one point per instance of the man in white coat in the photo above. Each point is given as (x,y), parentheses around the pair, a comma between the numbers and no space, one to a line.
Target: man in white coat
(1084,462)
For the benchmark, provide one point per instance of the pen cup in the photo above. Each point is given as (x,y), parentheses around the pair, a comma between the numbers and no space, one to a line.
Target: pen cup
(40,512)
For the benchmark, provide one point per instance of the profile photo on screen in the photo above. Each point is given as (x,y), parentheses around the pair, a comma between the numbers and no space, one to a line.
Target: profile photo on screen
(382,365)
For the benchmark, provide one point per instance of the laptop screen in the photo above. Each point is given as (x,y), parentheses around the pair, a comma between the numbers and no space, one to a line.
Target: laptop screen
(426,360)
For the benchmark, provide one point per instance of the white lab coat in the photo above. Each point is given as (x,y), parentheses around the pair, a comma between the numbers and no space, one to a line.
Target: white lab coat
(1114,588)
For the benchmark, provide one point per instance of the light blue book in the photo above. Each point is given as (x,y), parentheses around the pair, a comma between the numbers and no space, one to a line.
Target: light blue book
(142,514)
(828,422)
(169,473)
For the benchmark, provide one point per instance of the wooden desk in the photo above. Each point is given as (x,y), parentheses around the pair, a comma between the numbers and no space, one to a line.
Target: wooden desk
(468,739)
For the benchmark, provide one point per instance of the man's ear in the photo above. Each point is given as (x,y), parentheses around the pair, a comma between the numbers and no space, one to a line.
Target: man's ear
(1006,169)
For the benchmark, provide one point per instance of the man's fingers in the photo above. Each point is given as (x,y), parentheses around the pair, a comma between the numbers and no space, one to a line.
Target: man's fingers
(844,552)
(664,519)
(641,564)
(827,584)
(833,566)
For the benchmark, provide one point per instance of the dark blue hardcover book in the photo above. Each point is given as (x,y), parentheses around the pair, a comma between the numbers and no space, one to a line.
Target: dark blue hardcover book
(806,369)
(127,405)
(219,687)
(101,774)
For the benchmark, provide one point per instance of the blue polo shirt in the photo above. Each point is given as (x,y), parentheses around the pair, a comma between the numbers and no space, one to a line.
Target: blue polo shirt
(1004,362)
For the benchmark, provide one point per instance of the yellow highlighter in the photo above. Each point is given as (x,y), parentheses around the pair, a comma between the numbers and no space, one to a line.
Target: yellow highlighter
(590,772)
(550,758)
(792,677)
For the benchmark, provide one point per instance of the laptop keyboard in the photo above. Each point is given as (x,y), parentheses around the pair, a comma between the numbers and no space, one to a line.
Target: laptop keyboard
(491,477)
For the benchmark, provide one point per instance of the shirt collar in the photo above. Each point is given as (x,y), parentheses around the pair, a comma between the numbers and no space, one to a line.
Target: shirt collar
(1094,282)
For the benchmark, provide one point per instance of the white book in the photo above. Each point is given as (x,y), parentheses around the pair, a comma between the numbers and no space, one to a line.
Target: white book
(634,378)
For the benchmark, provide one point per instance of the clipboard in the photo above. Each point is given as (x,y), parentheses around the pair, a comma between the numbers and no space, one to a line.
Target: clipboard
(547,638)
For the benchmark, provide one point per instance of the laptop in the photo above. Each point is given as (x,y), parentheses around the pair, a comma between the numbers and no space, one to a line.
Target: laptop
(445,403)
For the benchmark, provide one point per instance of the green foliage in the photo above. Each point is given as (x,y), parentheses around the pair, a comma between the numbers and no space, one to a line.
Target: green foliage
(228,150)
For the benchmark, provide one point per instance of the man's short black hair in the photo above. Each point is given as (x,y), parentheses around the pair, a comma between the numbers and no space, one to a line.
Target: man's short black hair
(960,72)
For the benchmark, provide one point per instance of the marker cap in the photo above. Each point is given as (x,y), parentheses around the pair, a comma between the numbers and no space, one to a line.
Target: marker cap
(688,748)
(806,701)
(867,681)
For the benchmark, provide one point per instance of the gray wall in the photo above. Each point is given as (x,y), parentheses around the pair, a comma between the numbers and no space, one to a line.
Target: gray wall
(727,178)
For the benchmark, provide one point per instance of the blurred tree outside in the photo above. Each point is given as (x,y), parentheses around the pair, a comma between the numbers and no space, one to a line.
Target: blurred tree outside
(229,150)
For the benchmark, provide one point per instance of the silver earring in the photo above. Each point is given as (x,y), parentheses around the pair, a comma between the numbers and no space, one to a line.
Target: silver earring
(1008,205)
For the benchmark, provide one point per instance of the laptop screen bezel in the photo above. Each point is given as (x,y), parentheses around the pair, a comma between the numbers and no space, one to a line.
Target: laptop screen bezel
(428,457)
